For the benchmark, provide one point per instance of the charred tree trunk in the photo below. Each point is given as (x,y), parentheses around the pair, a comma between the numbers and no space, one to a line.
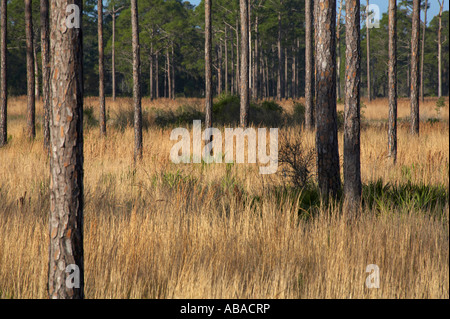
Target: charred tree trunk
(66,261)
(415,68)
(326,136)
(392,91)
(136,82)
(101,69)
(309,64)
(244,85)
(352,144)
(31,108)
(3,76)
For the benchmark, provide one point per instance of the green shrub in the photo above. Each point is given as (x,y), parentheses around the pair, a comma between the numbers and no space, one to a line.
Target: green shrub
(88,117)
(299,113)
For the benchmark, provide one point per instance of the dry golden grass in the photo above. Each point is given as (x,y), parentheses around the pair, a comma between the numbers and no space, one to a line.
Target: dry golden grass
(151,234)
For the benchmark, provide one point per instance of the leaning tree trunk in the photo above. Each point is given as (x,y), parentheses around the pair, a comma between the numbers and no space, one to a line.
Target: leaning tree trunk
(3,77)
(422,56)
(45,53)
(352,142)
(101,70)
(244,86)
(136,83)
(392,92)
(208,66)
(31,108)
(326,135)
(309,64)
(66,261)
(415,68)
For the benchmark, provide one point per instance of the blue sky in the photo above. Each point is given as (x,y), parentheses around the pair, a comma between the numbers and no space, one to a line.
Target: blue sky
(383,4)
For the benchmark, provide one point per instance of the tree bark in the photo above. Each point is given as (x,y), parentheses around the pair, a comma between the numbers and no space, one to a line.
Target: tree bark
(208,66)
(338,53)
(226,61)
(113,55)
(36,72)
(31,108)
(151,58)
(173,73)
(136,82)
(392,91)
(352,143)
(238,62)
(326,135)
(3,76)
(244,85)
(66,161)
(101,69)
(422,56)
(369,96)
(415,68)
(280,63)
(441,5)
(309,64)
(157,74)
(45,53)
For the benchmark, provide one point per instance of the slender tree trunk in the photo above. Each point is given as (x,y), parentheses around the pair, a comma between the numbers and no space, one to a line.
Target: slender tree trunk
(226,61)
(352,143)
(294,74)
(244,86)
(441,5)
(31,108)
(157,74)
(309,64)
(151,58)
(338,53)
(280,63)
(415,68)
(219,70)
(233,77)
(36,72)
(113,53)
(238,63)
(208,65)
(422,56)
(169,78)
(136,82)
(45,53)
(326,136)
(101,69)
(257,93)
(392,92)
(286,95)
(66,259)
(369,96)
(3,76)
(173,73)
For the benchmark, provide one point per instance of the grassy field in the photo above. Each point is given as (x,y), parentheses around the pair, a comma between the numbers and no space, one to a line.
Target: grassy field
(160,230)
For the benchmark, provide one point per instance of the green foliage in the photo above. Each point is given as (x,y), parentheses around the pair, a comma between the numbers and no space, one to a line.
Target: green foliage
(88,117)
(299,113)
(183,115)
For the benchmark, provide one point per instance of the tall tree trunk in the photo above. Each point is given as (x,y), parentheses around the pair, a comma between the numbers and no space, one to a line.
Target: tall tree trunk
(173,73)
(309,64)
(294,74)
(280,63)
(352,144)
(415,68)
(151,58)
(233,77)
(338,53)
(219,69)
(113,55)
(226,61)
(3,77)
(441,7)
(392,92)
(157,74)
(244,86)
(136,82)
(169,78)
(326,136)
(422,56)
(36,72)
(208,65)
(257,81)
(31,108)
(369,96)
(238,56)
(66,259)
(286,94)
(45,53)
(101,71)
